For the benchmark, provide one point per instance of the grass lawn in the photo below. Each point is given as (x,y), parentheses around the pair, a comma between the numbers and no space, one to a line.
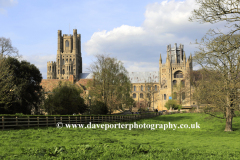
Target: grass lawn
(207,142)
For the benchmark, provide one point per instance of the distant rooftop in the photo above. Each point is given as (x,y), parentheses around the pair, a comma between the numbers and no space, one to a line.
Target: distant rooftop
(135,77)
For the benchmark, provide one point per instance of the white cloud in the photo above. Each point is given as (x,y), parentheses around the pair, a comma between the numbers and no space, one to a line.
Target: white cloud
(6,3)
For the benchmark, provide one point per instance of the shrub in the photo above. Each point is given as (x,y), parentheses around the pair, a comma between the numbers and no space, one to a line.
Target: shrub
(99,107)
(172,103)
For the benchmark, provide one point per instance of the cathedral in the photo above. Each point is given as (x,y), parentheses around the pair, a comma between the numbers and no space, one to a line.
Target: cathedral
(172,81)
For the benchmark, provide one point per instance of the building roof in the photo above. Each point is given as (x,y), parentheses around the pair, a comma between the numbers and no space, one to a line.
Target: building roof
(85,76)
(141,77)
(135,77)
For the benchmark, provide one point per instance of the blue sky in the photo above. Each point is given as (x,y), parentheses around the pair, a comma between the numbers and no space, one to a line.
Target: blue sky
(133,31)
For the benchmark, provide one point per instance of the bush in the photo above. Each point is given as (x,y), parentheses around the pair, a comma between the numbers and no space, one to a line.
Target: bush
(65,99)
(172,103)
(99,108)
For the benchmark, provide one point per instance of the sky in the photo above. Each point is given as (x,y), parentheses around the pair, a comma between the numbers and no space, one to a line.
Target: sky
(133,31)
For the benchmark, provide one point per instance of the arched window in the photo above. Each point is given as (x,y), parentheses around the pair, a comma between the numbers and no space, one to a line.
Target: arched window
(155,87)
(63,62)
(183,95)
(141,95)
(134,95)
(183,83)
(67,43)
(50,68)
(134,88)
(141,88)
(63,71)
(165,96)
(178,74)
(174,95)
(58,61)
(148,88)
(174,82)
(66,60)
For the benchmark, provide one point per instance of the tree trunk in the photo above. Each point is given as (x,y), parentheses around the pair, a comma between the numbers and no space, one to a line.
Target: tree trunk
(229,117)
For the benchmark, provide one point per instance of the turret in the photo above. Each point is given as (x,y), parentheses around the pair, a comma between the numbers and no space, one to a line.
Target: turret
(59,50)
(160,60)
(75,42)
(184,58)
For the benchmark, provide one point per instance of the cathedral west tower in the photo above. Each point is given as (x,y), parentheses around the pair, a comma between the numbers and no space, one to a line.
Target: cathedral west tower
(69,59)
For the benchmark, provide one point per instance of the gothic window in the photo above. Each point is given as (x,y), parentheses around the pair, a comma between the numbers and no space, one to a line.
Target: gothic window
(141,95)
(63,62)
(165,96)
(63,71)
(183,95)
(148,88)
(134,95)
(141,88)
(67,43)
(73,60)
(50,68)
(58,61)
(174,95)
(66,60)
(178,74)
(155,87)
(134,88)
(70,60)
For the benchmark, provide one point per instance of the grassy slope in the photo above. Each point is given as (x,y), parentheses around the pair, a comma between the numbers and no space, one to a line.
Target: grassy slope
(208,142)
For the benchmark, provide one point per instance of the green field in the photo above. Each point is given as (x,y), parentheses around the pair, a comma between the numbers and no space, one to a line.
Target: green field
(207,142)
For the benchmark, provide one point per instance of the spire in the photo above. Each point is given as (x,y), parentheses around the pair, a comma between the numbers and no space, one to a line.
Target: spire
(160,59)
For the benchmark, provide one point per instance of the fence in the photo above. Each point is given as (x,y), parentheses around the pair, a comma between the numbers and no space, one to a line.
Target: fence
(10,122)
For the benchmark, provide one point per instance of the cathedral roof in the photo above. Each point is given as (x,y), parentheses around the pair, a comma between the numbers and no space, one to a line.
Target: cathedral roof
(141,77)
(135,77)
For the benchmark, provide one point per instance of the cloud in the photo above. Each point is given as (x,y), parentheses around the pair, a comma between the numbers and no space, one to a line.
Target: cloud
(139,46)
(5,4)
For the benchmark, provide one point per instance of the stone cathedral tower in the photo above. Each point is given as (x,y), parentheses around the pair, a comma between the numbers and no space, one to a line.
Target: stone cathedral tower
(69,59)
(175,72)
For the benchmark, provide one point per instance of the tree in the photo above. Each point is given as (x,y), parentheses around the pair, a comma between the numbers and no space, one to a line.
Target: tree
(223,49)
(6,80)
(6,84)
(7,50)
(65,99)
(27,92)
(221,66)
(172,103)
(149,93)
(111,84)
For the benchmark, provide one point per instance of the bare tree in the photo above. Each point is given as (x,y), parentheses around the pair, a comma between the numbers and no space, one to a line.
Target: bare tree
(221,82)
(111,84)
(6,48)
(150,95)
(221,53)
